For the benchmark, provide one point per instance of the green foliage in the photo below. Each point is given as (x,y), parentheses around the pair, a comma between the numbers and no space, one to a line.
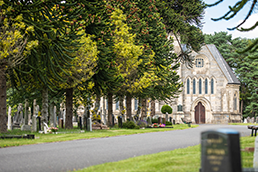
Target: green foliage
(166,109)
(129,125)
(168,123)
(232,12)
(244,68)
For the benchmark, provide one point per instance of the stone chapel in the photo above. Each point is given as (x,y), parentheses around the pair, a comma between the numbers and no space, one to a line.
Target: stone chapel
(210,92)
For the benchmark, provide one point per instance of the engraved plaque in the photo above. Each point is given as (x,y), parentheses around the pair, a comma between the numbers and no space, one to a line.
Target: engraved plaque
(220,151)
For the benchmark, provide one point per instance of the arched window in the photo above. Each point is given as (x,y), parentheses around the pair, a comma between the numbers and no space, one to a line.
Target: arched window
(206,86)
(235,101)
(212,86)
(194,86)
(135,104)
(188,86)
(117,105)
(200,86)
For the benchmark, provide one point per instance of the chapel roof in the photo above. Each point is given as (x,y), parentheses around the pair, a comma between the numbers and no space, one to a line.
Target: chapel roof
(231,77)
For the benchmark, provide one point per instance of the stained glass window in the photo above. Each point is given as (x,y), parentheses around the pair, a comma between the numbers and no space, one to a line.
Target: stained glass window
(206,86)
(188,86)
(193,86)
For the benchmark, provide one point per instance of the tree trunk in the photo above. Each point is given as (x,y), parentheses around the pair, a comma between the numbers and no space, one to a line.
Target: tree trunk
(69,109)
(3,127)
(97,104)
(110,108)
(44,109)
(152,108)
(143,109)
(139,108)
(51,113)
(129,107)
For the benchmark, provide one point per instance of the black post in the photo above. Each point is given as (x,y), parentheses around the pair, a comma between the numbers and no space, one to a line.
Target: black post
(39,123)
(80,122)
(120,123)
(113,120)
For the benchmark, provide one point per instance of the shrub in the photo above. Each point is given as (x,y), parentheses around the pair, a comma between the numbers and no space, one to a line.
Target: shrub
(142,123)
(129,125)
(168,123)
(166,109)
(154,121)
(137,127)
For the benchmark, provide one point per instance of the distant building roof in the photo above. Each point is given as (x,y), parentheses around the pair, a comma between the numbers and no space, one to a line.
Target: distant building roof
(231,77)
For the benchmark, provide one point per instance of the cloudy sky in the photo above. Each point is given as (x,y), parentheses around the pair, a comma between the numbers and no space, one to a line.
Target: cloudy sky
(217,11)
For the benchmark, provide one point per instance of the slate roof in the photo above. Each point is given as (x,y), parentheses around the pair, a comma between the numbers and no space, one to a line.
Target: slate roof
(231,77)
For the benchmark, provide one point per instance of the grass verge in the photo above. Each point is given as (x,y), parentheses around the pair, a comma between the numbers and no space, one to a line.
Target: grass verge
(75,135)
(242,123)
(179,160)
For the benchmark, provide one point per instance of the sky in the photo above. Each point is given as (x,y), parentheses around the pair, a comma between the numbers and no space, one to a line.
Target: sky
(209,26)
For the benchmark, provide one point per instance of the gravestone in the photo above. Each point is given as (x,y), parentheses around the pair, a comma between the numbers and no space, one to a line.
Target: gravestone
(248,119)
(170,119)
(34,116)
(245,120)
(166,117)
(149,121)
(120,123)
(256,120)
(220,151)
(252,120)
(18,117)
(9,118)
(25,126)
(89,124)
(55,116)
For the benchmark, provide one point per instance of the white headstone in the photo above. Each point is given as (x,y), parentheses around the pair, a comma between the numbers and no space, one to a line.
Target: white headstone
(45,127)
(255,161)
(245,120)
(9,118)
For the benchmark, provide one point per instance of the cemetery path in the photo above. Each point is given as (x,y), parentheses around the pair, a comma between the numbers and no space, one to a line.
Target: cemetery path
(78,154)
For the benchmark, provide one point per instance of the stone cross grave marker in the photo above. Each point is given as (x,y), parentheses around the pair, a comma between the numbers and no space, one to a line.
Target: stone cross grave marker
(220,151)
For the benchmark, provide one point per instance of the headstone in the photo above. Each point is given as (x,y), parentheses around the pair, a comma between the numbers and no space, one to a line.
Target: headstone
(25,126)
(220,151)
(54,120)
(256,120)
(113,120)
(29,116)
(34,117)
(45,127)
(64,115)
(51,113)
(149,120)
(120,123)
(18,117)
(89,124)
(252,120)
(159,120)
(9,118)
(245,120)
(255,161)
(248,119)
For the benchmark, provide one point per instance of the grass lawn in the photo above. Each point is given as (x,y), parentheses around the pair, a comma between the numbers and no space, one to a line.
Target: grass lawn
(242,123)
(179,160)
(75,135)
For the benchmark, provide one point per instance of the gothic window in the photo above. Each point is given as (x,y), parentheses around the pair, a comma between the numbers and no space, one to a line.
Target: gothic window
(107,104)
(117,105)
(212,86)
(188,86)
(206,86)
(135,104)
(200,86)
(199,63)
(235,103)
(194,86)
(179,108)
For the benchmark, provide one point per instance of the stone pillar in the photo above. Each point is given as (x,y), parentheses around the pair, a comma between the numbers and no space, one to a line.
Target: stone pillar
(34,117)
(25,126)
(29,116)
(54,120)
(51,112)
(89,124)
(9,118)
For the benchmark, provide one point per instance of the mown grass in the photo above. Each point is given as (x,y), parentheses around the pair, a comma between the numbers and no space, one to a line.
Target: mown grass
(179,160)
(75,135)
(242,123)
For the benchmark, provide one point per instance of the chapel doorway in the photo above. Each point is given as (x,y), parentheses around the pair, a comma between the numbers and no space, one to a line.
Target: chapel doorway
(199,113)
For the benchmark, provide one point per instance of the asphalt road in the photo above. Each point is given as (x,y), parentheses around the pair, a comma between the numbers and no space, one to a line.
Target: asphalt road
(70,155)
